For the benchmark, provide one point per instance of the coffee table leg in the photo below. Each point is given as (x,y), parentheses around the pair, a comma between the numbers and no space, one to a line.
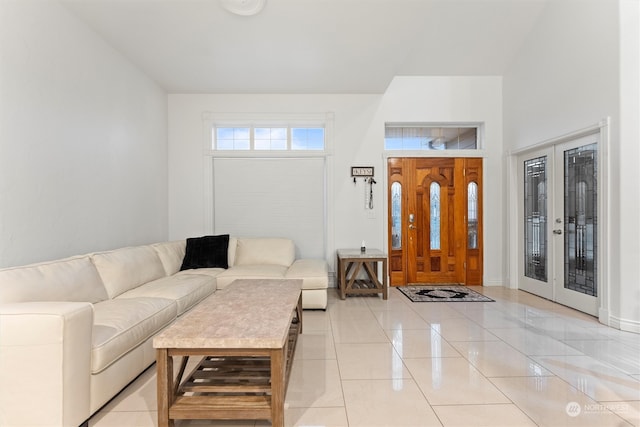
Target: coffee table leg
(164,365)
(277,387)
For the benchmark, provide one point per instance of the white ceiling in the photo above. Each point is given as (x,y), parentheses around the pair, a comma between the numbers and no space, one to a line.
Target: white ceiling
(309,46)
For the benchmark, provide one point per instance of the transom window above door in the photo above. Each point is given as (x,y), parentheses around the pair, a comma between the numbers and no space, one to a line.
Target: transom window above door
(401,136)
(271,137)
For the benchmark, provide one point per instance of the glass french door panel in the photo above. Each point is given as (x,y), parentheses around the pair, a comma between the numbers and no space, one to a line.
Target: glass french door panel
(535,218)
(576,239)
(536,249)
(580,219)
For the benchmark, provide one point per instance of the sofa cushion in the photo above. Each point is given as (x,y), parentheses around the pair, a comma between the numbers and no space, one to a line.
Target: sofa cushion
(127,268)
(211,272)
(71,279)
(185,289)
(233,246)
(171,255)
(206,252)
(265,271)
(313,272)
(270,251)
(122,324)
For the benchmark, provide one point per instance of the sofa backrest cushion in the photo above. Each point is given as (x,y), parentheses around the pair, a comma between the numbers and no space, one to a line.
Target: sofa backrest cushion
(275,251)
(127,268)
(171,255)
(71,279)
(233,246)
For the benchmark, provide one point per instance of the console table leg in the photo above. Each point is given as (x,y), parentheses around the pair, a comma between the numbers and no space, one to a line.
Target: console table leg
(385,284)
(342,278)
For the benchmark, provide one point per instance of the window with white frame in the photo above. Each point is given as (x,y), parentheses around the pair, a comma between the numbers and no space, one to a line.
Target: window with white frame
(263,137)
(267,176)
(399,136)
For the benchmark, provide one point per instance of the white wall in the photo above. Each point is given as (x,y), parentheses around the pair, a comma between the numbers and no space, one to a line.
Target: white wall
(626,304)
(83,140)
(188,135)
(358,140)
(566,77)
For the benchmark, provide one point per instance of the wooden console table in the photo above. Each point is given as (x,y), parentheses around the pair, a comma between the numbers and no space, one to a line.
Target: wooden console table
(245,335)
(351,262)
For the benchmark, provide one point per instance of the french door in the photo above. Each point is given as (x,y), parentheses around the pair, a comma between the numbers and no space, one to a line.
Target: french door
(435,220)
(559,223)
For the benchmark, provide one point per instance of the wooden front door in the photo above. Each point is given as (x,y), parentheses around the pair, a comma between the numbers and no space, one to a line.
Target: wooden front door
(435,218)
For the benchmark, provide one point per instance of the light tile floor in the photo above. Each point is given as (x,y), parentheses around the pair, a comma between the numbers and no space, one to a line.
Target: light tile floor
(518,361)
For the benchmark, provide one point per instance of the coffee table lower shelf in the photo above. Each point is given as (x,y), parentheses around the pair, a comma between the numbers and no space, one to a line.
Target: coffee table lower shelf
(221,407)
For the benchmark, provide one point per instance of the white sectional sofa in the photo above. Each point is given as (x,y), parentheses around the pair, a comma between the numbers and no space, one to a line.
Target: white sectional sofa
(76,331)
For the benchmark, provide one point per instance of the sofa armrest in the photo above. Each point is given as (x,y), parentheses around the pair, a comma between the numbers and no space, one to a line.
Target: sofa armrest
(45,351)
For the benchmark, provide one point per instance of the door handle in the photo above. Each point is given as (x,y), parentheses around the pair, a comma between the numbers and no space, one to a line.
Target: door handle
(557,231)
(411,226)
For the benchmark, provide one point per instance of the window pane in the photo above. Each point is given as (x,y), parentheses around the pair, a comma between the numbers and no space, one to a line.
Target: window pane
(270,138)
(307,138)
(262,133)
(472,215)
(398,137)
(242,144)
(225,133)
(434,198)
(232,138)
(396,212)
(241,133)
(225,144)
(262,144)
(393,143)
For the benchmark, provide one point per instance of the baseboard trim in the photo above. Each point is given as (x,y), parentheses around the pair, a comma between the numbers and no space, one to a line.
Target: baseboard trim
(494,283)
(624,324)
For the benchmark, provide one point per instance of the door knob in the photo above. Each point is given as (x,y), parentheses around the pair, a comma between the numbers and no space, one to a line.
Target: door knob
(557,231)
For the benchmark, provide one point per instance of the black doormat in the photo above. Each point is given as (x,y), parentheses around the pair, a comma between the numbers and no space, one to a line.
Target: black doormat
(442,293)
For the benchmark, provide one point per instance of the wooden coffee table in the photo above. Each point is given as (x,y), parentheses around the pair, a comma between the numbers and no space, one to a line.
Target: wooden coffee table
(245,336)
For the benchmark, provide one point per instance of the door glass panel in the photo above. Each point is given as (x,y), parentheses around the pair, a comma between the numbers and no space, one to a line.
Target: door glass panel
(396,215)
(472,215)
(434,204)
(535,218)
(580,219)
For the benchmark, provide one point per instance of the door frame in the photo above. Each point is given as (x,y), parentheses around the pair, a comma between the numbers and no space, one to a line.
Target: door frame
(602,128)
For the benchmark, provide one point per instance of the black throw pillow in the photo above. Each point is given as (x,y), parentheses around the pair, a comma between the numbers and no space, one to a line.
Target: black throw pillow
(206,252)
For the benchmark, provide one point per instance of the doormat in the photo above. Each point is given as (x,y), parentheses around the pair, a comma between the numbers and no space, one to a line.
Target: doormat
(440,293)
